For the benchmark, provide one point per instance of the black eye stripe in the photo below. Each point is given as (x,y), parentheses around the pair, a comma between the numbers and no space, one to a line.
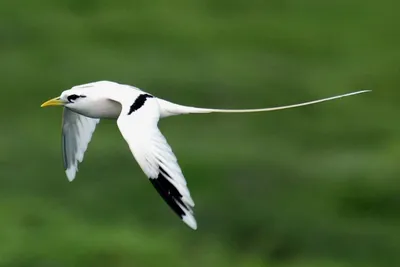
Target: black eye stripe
(74,97)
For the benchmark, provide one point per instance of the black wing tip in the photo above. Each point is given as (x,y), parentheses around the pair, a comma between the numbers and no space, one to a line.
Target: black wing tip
(173,198)
(169,193)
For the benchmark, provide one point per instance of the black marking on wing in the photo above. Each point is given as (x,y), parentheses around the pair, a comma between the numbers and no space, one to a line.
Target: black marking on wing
(139,102)
(169,193)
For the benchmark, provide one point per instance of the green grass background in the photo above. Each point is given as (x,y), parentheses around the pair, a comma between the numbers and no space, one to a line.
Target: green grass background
(311,187)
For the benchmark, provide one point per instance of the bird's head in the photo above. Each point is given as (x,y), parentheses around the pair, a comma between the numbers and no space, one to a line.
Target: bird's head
(91,100)
(67,98)
(79,95)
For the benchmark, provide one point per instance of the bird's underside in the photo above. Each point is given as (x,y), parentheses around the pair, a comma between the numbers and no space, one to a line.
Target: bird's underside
(137,122)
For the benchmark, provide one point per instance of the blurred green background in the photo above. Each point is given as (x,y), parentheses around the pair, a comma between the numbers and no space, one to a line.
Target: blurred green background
(315,186)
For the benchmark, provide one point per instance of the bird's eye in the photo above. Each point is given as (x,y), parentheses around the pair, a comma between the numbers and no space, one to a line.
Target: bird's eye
(74,97)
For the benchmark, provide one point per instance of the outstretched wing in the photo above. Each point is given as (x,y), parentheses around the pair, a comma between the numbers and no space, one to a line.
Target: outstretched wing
(77,131)
(138,126)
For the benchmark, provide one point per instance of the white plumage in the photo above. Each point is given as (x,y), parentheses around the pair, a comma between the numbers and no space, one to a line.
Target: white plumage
(137,114)
(77,131)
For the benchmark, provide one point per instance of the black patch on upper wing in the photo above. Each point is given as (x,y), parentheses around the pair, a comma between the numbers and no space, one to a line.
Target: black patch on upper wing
(169,193)
(139,102)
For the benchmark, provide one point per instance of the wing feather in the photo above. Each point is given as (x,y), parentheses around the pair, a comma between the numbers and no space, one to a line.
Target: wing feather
(77,131)
(155,157)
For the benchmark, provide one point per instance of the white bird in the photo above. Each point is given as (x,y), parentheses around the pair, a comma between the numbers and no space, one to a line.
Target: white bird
(137,114)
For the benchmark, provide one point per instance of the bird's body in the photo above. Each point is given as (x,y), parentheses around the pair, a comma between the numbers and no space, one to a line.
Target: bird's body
(101,109)
(137,114)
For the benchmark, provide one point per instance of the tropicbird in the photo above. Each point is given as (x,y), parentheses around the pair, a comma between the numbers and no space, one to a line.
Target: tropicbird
(137,114)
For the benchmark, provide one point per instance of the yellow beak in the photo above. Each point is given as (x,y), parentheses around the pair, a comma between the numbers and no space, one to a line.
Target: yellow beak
(53,102)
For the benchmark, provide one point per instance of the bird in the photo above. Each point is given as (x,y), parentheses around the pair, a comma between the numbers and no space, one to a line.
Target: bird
(137,114)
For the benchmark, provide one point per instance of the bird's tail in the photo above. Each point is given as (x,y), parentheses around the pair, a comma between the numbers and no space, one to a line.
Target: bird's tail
(170,109)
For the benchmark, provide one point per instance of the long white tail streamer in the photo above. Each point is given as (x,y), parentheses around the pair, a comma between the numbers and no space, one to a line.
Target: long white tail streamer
(170,109)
